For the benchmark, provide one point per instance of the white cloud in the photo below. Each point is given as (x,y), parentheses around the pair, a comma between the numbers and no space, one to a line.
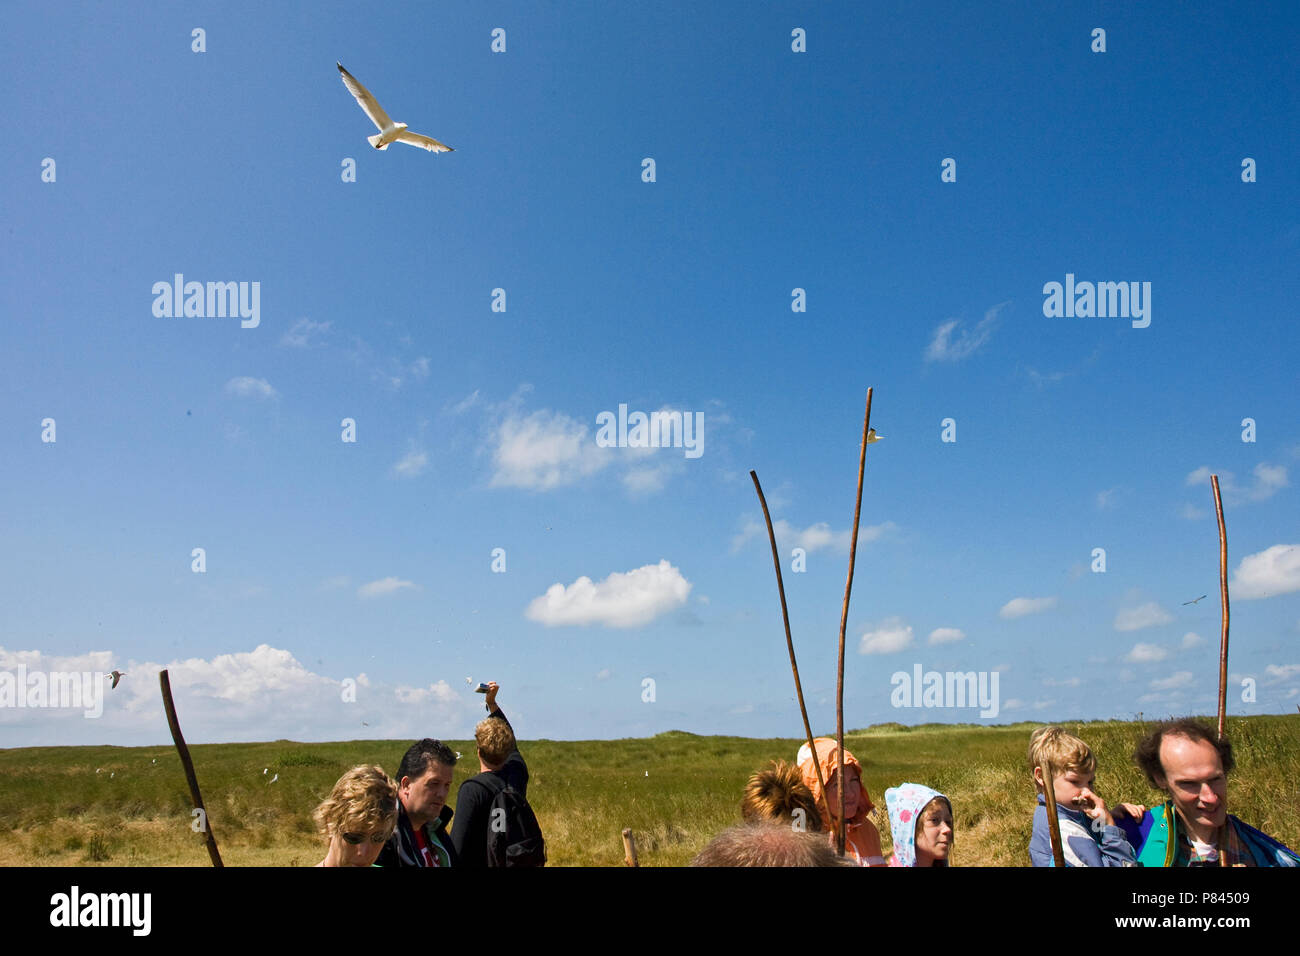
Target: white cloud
(246,387)
(623,599)
(1269,479)
(604,674)
(1136,618)
(1022,606)
(1270,572)
(1180,679)
(544,450)
(645,481)
(1193,513)
(439,692)
(420,367)
(947,635)
(815,537)
(1146,654)
(383,587)
(946,347)
(1106,499)
(262,694)
(301,333)
(892,636)
(1192,639)
(1281,672)
(413,463)
(465,404)
(1067,682)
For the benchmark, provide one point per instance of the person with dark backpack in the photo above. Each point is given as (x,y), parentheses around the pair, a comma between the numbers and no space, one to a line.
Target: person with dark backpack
(493,824)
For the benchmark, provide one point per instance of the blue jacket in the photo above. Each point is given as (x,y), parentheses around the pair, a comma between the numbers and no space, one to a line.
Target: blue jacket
(1080,843)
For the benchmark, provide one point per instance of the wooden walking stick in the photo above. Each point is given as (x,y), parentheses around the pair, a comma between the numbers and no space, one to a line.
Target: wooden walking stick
(188,764)
(1223,599)
(629,848)
(844,619)
(1053,825)
(789,642)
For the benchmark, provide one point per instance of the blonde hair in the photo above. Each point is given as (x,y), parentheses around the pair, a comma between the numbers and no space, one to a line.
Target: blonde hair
(495,739)
(1062,750)
(365,796)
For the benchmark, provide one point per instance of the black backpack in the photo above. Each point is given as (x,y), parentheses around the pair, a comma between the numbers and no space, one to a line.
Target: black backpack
(513,835)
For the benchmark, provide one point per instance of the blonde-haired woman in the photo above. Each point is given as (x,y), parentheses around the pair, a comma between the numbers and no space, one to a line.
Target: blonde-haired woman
(358,817)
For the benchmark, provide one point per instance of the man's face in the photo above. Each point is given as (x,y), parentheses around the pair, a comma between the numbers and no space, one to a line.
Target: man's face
(1194,779)
(425,796)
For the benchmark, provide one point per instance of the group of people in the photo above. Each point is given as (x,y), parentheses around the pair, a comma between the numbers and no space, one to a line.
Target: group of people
(372,819)
(791,813)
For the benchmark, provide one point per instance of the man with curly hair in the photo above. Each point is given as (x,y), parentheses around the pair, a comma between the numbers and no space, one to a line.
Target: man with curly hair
(1190,764)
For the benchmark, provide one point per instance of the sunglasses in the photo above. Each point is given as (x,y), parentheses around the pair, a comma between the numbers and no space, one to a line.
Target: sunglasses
(356,839)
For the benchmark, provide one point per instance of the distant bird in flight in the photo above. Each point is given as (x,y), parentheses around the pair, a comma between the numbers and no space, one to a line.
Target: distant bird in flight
(389,132)
(117,676)
(873,437)
(1185,603)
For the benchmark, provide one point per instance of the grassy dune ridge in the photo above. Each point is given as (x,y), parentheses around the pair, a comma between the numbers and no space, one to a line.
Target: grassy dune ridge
(675,790)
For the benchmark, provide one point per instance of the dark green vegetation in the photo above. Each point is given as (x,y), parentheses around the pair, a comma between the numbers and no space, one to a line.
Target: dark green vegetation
(675,790)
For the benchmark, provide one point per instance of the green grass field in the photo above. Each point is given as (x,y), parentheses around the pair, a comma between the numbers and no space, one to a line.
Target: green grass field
(675,791)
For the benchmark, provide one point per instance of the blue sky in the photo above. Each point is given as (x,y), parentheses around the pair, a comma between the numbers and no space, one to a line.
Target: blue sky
(774,170)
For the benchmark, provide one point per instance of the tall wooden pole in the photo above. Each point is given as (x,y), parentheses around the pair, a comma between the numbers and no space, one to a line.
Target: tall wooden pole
(1223,600)
(188,764)
(844,619)
(1053,825)
(789,642)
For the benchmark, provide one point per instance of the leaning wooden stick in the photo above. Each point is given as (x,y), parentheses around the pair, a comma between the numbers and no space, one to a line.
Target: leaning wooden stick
(1053,825)
(844,619)
(1223,599)
(188,764)
(629,848)
(789,643)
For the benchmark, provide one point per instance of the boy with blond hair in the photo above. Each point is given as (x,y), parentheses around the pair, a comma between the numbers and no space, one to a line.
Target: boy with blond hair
(1089,836)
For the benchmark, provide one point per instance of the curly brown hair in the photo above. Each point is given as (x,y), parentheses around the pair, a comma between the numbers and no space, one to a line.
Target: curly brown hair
(1147,754)
(775,793)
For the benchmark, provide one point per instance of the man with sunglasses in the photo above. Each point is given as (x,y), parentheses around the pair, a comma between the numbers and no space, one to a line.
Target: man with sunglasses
(423,782)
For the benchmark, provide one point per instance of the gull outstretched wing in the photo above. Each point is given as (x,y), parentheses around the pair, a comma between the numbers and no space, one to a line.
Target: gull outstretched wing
(424,142)
(367,102)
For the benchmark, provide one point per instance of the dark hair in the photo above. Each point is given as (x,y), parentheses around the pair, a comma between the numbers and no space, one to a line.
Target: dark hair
(1147,755)
(416,760)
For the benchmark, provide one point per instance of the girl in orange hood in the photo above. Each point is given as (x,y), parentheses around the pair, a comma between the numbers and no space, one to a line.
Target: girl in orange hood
(862,839)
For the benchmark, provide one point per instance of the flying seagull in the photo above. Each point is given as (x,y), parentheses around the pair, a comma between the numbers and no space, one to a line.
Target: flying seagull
(1185,603)
(117,676)
(389,132)
(872,436)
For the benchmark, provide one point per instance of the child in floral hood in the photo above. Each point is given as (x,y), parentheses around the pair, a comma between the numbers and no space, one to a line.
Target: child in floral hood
(921,822)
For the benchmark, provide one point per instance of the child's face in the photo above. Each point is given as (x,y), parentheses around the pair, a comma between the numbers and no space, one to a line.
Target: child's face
(934,832)
(852,779)
(1073,789)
